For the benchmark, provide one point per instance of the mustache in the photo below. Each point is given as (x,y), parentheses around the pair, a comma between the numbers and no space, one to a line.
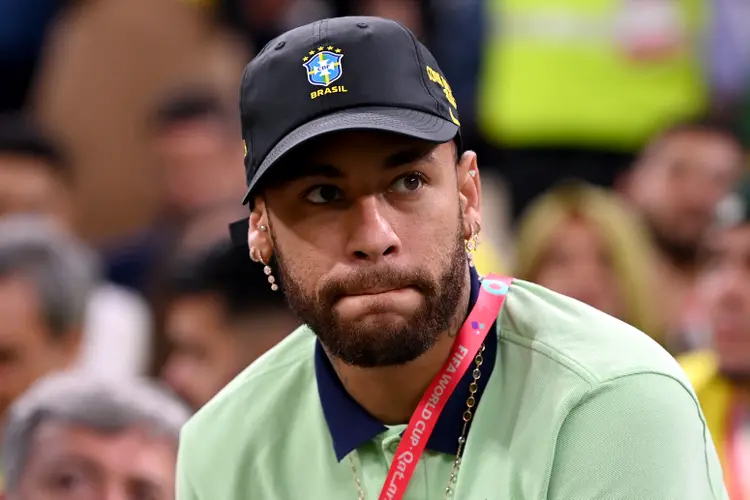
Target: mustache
(369,279)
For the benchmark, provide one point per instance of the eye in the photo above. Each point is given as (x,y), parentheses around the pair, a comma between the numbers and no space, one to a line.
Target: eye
(68,481)
(320,195)
(408,183)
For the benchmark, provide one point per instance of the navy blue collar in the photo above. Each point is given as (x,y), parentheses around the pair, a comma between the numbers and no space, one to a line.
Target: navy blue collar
(350,424)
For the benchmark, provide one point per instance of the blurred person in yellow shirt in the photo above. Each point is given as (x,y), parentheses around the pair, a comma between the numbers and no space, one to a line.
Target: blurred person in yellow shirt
(487,259)
(721,378)
(581,241)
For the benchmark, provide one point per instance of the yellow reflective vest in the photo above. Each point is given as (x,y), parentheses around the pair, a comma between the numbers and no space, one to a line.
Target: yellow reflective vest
(563,73)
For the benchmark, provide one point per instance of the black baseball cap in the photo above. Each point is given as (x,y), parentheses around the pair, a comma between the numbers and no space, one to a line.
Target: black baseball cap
(345,73)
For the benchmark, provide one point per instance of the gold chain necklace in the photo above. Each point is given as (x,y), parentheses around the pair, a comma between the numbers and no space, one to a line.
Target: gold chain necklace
(467,416)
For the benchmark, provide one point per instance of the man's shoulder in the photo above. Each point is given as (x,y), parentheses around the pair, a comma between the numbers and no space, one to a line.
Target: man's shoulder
(258,396)
(574,337)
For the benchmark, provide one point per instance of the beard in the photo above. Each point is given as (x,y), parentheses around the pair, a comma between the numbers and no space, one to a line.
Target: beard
(682,254)
(368,345)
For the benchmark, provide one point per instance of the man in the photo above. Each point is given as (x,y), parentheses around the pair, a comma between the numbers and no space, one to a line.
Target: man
(220,317)
(675,185)
(35,174)
(197,156)
(45,280)
(364,200)
(72,436)
(722,377)
(36,177)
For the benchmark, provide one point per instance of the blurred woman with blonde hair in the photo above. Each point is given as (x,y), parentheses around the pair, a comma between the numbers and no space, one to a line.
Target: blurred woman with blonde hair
(583,242)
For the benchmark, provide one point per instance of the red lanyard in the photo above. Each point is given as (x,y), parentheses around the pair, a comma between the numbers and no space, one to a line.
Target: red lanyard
(473,332)
(735,455)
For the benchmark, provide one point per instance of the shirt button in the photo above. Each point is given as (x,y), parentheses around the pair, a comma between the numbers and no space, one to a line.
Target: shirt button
(393,445)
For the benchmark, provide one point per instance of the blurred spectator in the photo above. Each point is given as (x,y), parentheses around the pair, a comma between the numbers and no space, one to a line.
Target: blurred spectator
(744,120)
(71,436)
(209,227)
(446,22)
(221,315)
(36,177)
(45,282)
(675,185)
(568,89)
(199,150)
(728,55)
(260,21)
(720,378)
(582,242)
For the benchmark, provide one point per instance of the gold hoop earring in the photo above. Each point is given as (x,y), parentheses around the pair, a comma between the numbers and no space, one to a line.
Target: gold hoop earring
(472,243)
(254,254)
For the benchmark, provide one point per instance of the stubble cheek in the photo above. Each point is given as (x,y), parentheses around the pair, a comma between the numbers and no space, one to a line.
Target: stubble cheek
(431,239)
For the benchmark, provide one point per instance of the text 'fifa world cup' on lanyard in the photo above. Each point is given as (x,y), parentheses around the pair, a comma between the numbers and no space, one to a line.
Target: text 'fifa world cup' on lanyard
(492,296)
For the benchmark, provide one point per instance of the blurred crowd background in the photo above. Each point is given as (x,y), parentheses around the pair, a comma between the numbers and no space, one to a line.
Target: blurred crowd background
(613,138)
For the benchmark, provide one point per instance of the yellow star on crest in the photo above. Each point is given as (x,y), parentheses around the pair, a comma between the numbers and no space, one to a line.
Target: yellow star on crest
(338,50)
(312,52)
(305,58)
(330,47)
(321,48)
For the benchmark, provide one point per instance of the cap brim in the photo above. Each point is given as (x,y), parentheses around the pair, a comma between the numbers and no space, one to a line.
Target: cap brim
(408,122)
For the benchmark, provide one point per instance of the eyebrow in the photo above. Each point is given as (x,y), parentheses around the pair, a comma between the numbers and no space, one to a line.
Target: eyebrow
(411,155)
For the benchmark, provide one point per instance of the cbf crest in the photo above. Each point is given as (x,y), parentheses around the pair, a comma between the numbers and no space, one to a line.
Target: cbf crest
(323,66)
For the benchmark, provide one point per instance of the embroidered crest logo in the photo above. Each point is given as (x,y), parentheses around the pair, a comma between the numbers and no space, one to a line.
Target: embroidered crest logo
(323,67)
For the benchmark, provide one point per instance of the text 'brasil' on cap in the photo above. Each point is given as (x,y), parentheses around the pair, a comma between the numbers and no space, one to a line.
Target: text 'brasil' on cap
(346,73)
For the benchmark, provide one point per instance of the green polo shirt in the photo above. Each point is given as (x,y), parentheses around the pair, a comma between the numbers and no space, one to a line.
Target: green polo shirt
(578,406)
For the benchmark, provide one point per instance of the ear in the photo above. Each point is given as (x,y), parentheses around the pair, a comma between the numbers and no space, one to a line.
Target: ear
(469,192)
(68,348)
(259,238)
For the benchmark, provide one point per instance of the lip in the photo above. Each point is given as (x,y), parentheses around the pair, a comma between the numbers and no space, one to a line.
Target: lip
(375,291)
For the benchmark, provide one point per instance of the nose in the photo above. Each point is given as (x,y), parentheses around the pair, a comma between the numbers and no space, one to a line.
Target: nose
(115,492)
(735,293)
(372,236)
(175,375)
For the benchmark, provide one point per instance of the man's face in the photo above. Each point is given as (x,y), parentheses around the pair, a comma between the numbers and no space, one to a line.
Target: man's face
(27,185)
(71,462)
(209,348)
(725,288)
(369,243)
(679,184)
(199,165)
(28,349)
